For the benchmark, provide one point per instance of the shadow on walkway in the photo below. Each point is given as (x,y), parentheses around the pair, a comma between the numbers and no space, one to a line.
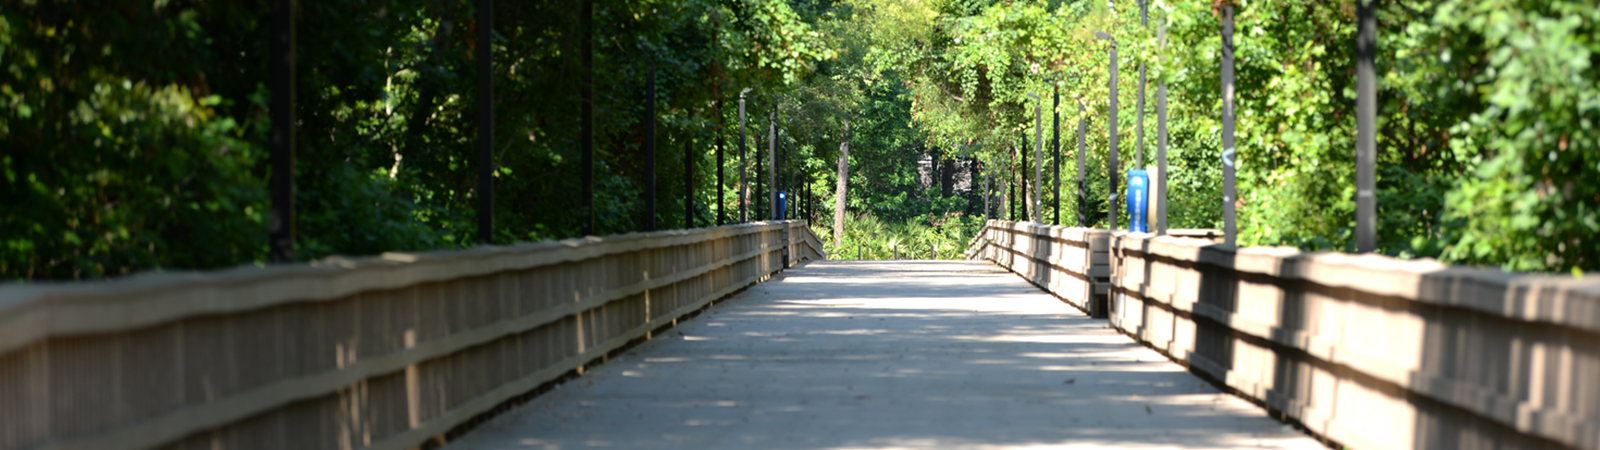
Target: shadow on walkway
(903,354)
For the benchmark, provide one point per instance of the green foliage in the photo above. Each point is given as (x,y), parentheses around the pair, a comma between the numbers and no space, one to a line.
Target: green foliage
(1486,129)
(1484,126)
(1529,203)
(134,132)
(116,157)
(869,238)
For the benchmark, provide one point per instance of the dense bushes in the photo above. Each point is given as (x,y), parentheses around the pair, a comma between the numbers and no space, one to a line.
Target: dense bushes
(134,131)
(1487,112)
(868,237)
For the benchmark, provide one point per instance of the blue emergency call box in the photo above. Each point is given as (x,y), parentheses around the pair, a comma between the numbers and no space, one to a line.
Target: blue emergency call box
(1138,200)
(782,206)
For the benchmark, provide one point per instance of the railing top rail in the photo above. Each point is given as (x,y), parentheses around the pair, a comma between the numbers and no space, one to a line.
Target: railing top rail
(33,311)
(1557,299)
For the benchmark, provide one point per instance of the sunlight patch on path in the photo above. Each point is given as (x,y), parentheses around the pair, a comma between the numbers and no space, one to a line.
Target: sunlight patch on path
(888,355)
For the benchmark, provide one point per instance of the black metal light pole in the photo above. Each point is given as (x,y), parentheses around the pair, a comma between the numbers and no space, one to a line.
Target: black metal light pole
(1228,154)
(1012,174)
(772,163)
(1111,164)
(650,147)
(785,183)
(1038,158)
(988,190)
(280,240)
(1055,149)
(1161,144)
(1366,127)
(1083,189)
(759,195)
(722,218)
(688,183)
(1022,178)
(586,123)
(485,121)
(744,184)
(1138,140)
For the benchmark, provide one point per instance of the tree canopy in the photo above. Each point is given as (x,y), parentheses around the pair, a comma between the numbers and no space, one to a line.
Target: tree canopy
(134,133)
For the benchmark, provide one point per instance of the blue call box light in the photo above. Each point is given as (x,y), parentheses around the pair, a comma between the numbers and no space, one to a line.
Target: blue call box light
(1138,200)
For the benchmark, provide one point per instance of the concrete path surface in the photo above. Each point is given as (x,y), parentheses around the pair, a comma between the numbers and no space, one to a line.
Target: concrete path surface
(882,355)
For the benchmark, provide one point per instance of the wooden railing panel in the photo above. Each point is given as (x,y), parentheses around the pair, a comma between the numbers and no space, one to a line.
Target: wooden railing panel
(382,352)
(1073,263)
(1370,351)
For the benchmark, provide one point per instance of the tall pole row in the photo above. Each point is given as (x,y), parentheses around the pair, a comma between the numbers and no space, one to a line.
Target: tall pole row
(1229,195)
(1366,127)
(485,121)
(280,240)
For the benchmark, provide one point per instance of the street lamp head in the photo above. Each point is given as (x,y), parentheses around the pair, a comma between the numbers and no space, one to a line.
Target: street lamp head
(745,91)
(1030,95)
(1106,36)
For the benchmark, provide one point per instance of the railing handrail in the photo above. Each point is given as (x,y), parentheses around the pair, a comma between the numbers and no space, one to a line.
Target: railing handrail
(30,312)
(1472,351)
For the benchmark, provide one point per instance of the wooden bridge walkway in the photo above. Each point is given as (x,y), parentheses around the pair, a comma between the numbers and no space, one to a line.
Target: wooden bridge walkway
(888,354)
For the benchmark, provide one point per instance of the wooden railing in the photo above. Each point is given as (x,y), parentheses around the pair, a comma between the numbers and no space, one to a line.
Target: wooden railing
(1365,350)
(384,352)
(1073,263)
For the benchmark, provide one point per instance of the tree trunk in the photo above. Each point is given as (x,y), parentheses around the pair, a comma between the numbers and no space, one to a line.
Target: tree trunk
(839,194)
